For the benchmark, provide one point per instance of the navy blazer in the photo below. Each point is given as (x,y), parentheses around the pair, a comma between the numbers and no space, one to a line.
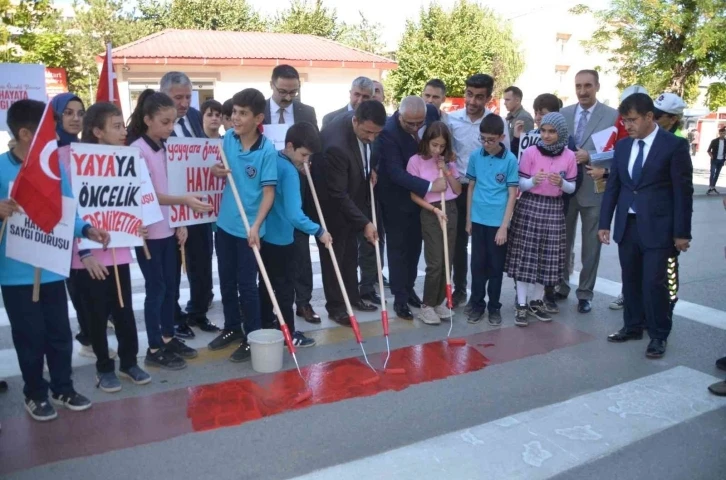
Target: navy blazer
(195,122)
(394,147)
(663,197)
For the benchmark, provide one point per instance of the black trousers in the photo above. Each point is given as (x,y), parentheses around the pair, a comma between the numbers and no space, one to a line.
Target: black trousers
(461,254)
(405,242)
(83,336)
(302,269)
(41,330)
(98,299)
(345,246)
(487,267)
(277,260)
(199,248)
(367,256)
(645,284)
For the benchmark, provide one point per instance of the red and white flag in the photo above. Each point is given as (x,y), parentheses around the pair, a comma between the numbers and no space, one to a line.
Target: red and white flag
(107,90)
(37,188)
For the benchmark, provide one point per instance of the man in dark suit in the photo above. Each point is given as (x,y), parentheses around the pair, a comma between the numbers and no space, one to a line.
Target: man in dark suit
(341,176)
(282,108)
(584,118)
(198,247)
(717,152)
(651,184)
(394,147)
(361,90)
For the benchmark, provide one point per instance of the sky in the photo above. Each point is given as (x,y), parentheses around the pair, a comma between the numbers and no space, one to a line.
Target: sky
(392,15)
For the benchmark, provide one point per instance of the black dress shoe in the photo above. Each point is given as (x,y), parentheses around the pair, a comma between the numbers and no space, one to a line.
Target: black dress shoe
(584,306)
(413,300)
(340,318)
(3,386)
(307,312)
(623,335)
(656,348)
(372,297)
(362,306)
(402,311)
(721,363)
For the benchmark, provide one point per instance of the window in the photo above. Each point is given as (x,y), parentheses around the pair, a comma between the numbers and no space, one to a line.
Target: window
(562,39)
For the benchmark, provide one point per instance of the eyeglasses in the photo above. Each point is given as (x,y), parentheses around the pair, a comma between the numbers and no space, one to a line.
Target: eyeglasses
(71,113)
(286,93)
(415,125)
(488,140)
(631,121)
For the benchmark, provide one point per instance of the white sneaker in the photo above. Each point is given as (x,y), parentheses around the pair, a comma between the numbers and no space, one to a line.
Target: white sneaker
(428,316)
(618,303)
(87,351)
(443,312)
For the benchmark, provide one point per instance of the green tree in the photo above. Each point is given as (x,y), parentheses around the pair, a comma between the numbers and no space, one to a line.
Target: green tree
(237,15)
(364,36)
(716,96)
(312,18)
(452,45)
(664,45)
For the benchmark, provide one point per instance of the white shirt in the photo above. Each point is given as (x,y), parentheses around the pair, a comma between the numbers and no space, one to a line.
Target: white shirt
(719,154)
(465,135)
(286,113)
(636,148)
(178,129)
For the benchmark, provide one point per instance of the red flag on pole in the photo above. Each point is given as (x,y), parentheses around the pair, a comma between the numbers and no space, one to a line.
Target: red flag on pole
(107,90)
(37,188)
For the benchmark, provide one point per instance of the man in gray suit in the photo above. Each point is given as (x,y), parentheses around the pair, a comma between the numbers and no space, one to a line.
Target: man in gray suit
(360,91)
(586,117)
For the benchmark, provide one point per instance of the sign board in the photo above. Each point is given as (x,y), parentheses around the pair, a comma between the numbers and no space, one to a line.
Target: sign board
(527,140)
(56,82)
(107,187)
(27,243)
(189,170)
(276,134)
(19,81)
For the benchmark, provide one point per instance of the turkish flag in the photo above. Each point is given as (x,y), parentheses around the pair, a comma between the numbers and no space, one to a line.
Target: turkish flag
(37,188)
(107,90)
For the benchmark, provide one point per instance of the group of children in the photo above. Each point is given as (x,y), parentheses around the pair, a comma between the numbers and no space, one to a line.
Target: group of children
(269,185)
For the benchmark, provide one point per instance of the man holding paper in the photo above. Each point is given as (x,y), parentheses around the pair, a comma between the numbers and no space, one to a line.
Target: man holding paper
(585,118)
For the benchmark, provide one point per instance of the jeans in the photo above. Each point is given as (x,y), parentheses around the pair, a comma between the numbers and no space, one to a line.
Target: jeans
(41,330)
(487,267)
(716,166)
(460,254)
(160,275)
(277,260)
(238,282)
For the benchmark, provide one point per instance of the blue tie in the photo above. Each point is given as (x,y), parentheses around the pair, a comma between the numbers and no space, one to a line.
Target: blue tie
(184,128)
(638,165)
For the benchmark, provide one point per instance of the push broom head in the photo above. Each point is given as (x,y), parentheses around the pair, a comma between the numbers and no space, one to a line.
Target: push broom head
(456,341)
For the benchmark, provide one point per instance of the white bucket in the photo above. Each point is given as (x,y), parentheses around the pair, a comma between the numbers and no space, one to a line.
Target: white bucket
(266,347)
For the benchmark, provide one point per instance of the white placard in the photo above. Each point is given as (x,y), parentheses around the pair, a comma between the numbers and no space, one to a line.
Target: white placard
(604,140)
(276,134)
(27,243)
(527,140)
(19,81)
(150,209)
(189,163)
(107,187)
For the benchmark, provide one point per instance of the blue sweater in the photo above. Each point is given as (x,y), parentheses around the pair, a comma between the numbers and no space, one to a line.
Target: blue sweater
(13,272)
(286,214)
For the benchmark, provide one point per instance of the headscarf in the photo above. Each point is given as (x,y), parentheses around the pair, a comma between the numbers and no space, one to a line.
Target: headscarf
(558,121)
(59,104)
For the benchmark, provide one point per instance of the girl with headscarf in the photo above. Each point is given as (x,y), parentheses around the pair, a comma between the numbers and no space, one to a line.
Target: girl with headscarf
(69,112)
(536,254)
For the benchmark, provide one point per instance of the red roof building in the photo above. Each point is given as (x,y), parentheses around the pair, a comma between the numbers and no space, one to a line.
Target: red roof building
(221,63)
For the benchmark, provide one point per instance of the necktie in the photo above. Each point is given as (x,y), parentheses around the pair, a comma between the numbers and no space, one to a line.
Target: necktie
(281,120)
(184,128)
(638,165)
(581,125)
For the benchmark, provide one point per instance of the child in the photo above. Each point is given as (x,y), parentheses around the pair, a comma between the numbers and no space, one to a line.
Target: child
(227,115)
(253,162)
(536,254)
(278,249)
(211,118)
(41,330)
(493,181)
(435,155)
(69,112)
(97,295)
(152,123)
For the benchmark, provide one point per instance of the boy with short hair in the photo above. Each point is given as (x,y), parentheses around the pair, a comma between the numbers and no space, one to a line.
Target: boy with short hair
(253,162)
(278,248)
(227,115)
(493,180)
(40,329)
(211,118)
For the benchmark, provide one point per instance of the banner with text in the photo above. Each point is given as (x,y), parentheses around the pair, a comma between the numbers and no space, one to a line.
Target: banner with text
(107,186)
(27,243)
(527,140)
(189,169)
(19,81)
